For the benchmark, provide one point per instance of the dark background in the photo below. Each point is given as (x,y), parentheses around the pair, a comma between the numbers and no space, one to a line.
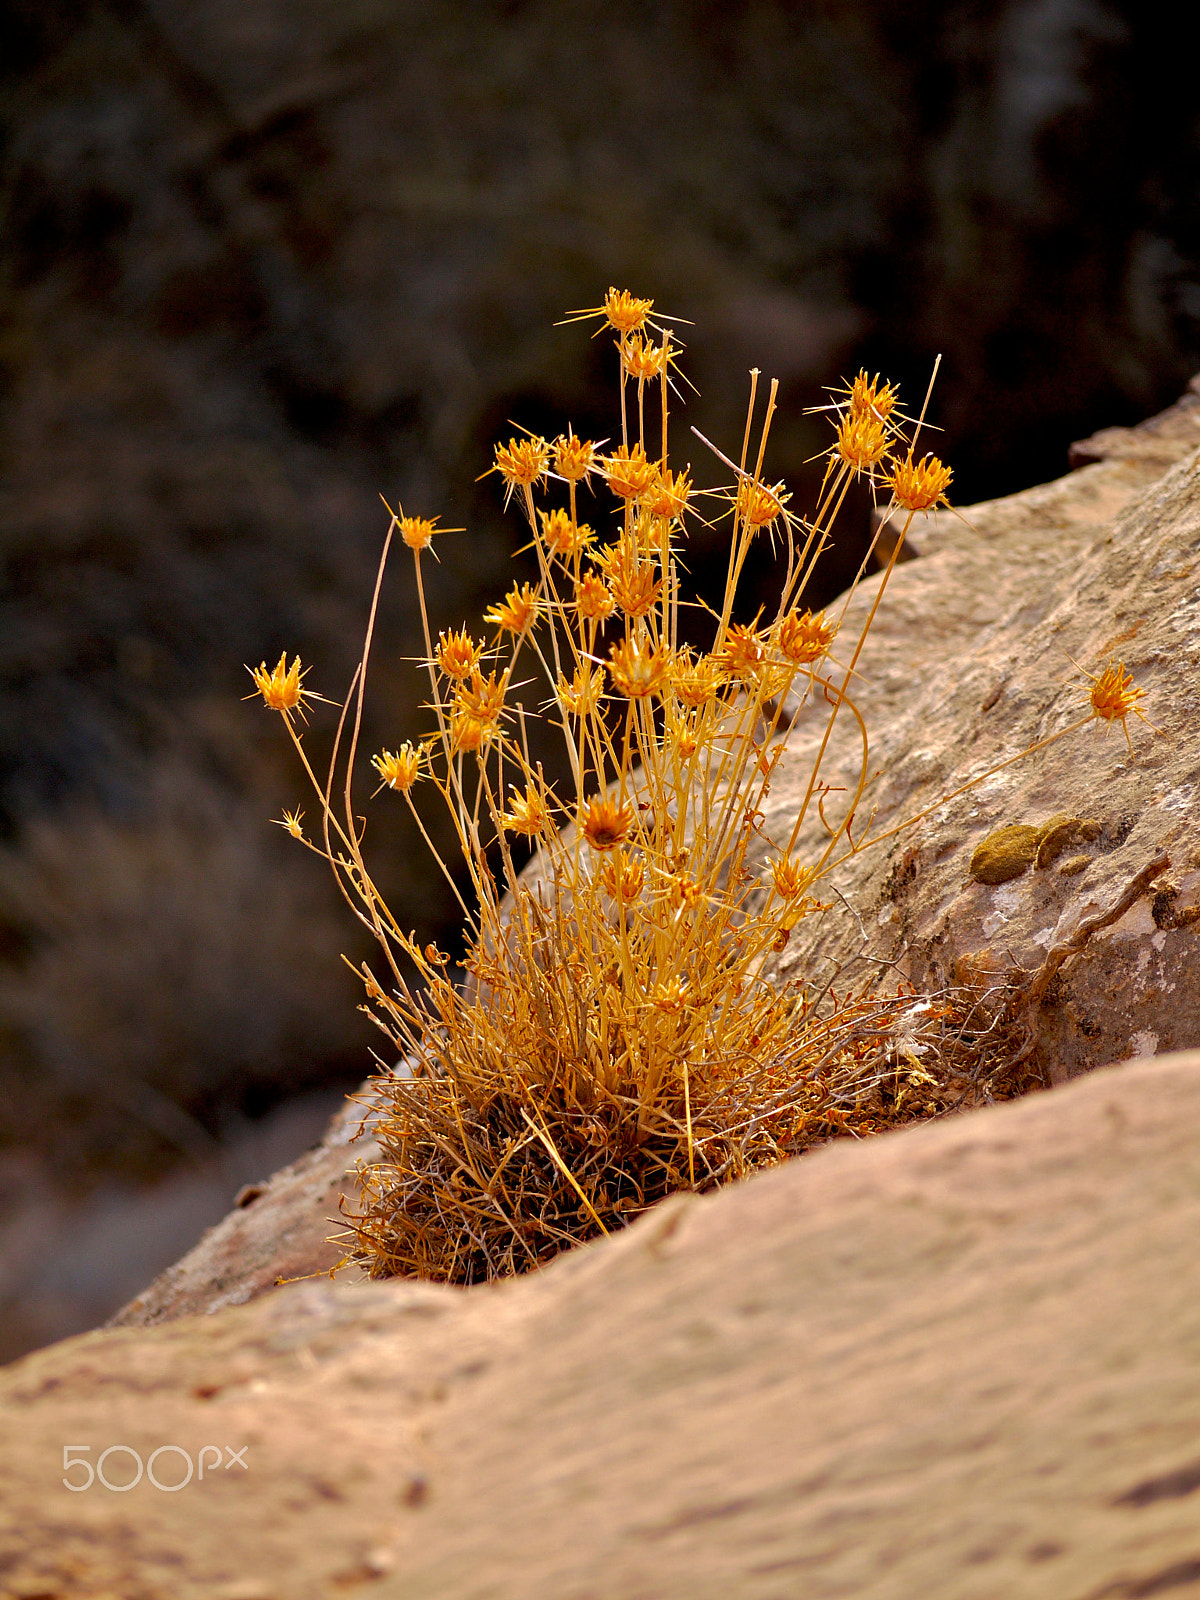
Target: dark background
(266,259)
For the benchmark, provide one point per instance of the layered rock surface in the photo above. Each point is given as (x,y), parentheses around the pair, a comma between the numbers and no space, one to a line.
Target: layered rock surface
(972,659)
(963,1359)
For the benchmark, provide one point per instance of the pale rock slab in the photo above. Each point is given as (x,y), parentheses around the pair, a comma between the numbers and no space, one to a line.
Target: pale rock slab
(958,1360)
(970,661)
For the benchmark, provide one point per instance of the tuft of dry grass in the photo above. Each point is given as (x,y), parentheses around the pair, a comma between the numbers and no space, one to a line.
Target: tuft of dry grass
(612,1038)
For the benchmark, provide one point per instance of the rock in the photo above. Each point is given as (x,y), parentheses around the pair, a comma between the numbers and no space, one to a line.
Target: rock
(956,1360)
(282,1229)
(1153,442)
(971,661)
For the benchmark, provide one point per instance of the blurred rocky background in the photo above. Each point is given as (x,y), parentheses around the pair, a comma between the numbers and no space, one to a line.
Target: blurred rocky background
(263,262)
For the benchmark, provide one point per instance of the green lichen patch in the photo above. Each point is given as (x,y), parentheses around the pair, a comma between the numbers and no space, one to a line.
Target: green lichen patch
(1009,851)
(1005,853)
(1061,830)
(1073,865)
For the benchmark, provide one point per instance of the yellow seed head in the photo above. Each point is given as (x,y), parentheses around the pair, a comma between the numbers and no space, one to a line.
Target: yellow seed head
(681,734)
(867,399)
(291,820)
(417,531)
(791,879)
(672,995)
(622,877)
(696,682)
(482,700)
(1113,694)
(527,813)
(582,695)
(573,458)
(628,473)
(281,688)
(522,462)
(917,487)
(593,602)
(399,769)
(625,313)
(669,493)
(862,441)
(637,670)
(759,506)
(804,638)
(517,611)
(606,823)
(682,893)
(743,654)
(457,654)
(632,583)
(643,360)
(564,538)
(468,734)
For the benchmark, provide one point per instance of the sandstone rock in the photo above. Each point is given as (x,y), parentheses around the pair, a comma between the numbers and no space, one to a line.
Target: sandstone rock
(957,1360)
(283,1229)
(970,661)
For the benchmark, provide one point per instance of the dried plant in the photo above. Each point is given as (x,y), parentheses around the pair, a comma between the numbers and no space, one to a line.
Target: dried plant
(612,1038)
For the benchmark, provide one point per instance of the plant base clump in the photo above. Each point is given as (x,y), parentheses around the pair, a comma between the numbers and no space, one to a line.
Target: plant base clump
(502,1150)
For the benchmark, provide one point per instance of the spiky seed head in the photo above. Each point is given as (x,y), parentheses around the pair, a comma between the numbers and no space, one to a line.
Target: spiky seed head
(522,462)
(681,734)
(607,823)
(593,602)
(862,441)
(696,682)
(791,879)
(527,813)
(867,399)
(743,653)
(282,687)
(622,877)
(417,532)
(573,458)
(624,312)
(468,734)
(759,506)
(669,493)
(1114,696)
(564,538)
(556,531)
(457,654)
(919,486)
(517,612)
(634,587)
(628,473)
(398,769)
(637,669)
(804,638)
(642,359)
(582,695)
(482,699)
(682,893)
(672,995)
(291,820)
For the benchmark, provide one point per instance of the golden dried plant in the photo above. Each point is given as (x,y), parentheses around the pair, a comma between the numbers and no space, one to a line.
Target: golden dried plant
(612,1037)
